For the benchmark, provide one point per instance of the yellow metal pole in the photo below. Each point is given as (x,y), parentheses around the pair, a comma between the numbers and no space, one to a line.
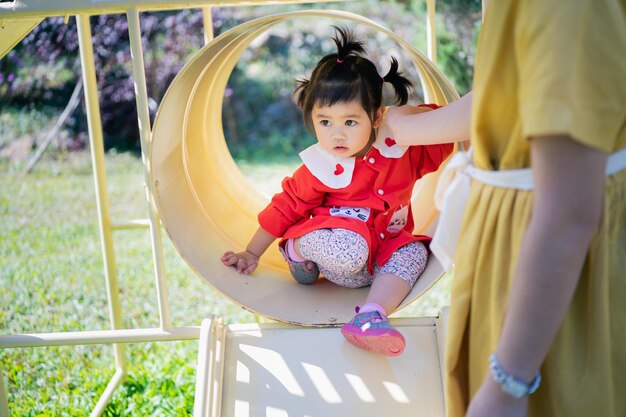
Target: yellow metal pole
(431,34)
(96,144)
(143,114)
(90,337)
(208,24)
(106,396)
(4,402)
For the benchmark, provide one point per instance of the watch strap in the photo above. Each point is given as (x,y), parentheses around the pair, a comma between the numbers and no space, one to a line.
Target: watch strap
(511,384)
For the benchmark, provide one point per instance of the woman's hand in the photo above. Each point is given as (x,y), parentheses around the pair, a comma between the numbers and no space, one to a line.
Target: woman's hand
(491,401)
(244,262)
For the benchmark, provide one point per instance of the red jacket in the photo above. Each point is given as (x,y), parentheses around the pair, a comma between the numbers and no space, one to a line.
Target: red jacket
(369,195)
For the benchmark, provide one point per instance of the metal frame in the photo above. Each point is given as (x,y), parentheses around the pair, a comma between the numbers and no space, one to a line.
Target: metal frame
(47,8)
(27,10)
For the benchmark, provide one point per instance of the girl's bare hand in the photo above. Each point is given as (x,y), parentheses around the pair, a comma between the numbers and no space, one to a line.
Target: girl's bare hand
(244,262)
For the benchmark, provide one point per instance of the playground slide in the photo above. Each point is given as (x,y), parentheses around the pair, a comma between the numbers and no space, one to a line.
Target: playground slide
(12,31)
(207,206)
(280,370)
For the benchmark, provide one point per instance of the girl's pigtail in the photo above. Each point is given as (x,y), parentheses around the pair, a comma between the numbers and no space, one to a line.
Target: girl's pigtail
(301,92)
(347,44)
(401,84)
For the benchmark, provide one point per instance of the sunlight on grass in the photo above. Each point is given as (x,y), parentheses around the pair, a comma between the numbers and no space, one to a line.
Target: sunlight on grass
(51,272)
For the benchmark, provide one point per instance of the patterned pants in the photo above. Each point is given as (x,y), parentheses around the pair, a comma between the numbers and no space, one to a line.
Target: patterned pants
(341,256)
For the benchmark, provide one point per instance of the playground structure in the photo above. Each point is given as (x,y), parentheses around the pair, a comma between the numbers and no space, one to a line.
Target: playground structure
(287,371)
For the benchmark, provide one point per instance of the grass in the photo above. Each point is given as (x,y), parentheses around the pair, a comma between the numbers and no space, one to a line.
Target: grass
(29,123)
(52,281)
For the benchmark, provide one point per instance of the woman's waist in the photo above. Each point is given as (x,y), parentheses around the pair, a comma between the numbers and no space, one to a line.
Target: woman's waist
(522,179)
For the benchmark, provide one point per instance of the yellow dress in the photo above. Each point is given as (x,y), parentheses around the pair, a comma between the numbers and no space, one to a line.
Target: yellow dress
(544,67)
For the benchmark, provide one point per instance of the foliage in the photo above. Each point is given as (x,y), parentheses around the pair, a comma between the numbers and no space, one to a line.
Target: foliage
(42,70)
(461,19)
(27,122)
(259,116)
(457,27)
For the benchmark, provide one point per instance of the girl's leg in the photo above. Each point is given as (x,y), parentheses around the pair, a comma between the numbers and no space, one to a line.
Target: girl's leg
(370,329)
(340,254)
(387,292)
(397,277)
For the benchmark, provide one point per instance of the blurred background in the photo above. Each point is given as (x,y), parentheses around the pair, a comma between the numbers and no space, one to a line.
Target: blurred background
(37,78)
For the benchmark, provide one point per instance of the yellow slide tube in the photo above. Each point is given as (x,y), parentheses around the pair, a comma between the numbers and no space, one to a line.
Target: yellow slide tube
(207,206)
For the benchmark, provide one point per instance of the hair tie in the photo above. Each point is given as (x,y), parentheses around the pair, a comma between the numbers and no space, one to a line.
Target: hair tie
(340,61)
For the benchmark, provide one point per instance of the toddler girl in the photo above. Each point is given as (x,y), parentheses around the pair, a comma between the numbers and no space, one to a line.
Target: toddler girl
(346,213)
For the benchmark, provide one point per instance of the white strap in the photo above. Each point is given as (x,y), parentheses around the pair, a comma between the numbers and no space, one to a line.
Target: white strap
(453,190)
(450,197)
(616,162)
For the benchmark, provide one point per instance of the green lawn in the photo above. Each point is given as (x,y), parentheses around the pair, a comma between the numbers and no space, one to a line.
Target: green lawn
(51,275)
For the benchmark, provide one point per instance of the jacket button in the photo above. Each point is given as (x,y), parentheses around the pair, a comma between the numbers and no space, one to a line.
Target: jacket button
(382,235)
(380,191)
(371,160)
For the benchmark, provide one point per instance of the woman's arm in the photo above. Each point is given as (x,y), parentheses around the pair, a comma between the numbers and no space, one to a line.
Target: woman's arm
(568,200)
(450,123)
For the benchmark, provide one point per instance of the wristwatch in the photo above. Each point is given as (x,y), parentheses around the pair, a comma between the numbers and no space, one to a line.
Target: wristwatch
(510,384)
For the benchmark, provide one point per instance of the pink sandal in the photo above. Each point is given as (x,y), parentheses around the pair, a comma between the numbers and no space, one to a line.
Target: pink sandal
(372,331)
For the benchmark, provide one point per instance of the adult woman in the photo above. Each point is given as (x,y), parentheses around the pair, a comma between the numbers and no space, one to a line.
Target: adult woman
(538,278)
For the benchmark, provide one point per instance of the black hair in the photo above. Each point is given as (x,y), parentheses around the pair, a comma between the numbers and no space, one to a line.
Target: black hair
(347,75)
